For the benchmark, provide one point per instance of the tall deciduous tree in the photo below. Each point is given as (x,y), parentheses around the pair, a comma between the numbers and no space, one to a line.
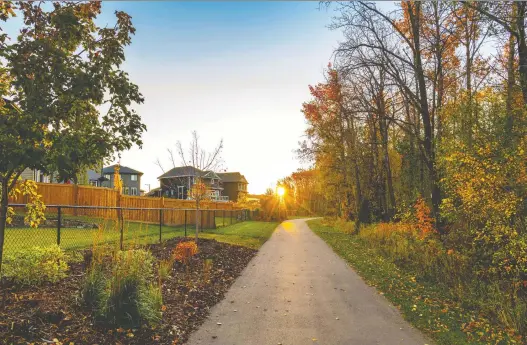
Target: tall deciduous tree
(56,78)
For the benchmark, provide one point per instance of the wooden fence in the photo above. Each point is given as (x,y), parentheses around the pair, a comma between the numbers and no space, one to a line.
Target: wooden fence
(73,195)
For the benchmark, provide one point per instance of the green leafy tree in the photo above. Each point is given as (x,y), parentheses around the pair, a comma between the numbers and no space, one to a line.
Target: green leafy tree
(66,102)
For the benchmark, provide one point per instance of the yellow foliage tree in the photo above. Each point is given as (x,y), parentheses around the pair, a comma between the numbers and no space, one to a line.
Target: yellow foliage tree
(118,182)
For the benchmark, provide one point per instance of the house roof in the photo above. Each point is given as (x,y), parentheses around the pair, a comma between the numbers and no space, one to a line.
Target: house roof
(182,171)
(153,191)
(188,171)
(232,177)
(93,175)
(123,170)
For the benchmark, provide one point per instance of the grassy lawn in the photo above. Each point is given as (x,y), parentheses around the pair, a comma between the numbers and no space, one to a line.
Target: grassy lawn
(250,234)
(221,222)
(73,238)
(430,308)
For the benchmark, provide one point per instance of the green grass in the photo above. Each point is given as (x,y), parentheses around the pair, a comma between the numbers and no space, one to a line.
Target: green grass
(250,234)
(221,222)
(429,307)
(73,238)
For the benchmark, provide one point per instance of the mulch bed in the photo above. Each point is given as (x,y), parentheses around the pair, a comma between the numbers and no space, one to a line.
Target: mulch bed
(53,313)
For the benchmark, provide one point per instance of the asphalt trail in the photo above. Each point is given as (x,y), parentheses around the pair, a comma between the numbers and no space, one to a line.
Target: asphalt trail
(297,291)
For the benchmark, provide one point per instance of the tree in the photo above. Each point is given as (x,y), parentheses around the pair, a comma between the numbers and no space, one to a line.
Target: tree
(55,78)
(511,17)
(202,162)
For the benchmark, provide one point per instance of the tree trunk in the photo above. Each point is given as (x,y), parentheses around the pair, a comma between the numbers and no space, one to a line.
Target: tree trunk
(4,202)
(510,82)
(468,123)
(522,46)
(358,200)
(375,178)
(428,142)
(386,159)
(197,220)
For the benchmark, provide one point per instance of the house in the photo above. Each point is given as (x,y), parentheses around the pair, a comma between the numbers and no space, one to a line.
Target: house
(177,183)
(234,185)
(131,179)
(156,192)
(35,175)
(94,178)
(89,177)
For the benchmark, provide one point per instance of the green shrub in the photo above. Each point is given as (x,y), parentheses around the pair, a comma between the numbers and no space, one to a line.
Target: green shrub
(35,265)
(75,256)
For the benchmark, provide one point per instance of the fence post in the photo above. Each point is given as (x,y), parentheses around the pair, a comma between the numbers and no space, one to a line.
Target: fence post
(185,223)
(214,217)
(160,223)
(59,221)
(75,198)
(121,221)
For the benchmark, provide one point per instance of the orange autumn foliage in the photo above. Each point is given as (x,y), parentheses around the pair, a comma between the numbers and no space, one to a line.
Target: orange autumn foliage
(185,250)
(425,223)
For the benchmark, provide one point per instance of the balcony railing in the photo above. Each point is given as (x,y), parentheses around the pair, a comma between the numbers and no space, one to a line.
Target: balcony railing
(219,198)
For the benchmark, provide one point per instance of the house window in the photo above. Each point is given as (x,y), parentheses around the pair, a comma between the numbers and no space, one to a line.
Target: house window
(126,190)
(180,192)
(94,183)
(133,190)
(133,177)
(212,181)
(108,177)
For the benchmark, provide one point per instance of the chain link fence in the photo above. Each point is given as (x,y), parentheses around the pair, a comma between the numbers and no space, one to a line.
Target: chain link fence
(79,227)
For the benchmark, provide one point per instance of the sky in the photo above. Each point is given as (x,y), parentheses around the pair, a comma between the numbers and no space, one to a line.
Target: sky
(237,71)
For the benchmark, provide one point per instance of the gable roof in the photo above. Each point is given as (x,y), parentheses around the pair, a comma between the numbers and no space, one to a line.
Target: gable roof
(232,177)
(188,171)
(182,171)
(122,170)
(93,175)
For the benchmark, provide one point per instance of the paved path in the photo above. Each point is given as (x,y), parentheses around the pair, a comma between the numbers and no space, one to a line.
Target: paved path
(296,291)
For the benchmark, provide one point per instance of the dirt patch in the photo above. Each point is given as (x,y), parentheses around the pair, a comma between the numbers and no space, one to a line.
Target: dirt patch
(53,311)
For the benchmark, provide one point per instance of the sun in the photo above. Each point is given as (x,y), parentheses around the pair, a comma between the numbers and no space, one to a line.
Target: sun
(280,191)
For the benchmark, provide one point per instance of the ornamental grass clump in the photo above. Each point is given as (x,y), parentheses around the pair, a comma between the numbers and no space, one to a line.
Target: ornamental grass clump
(121,293)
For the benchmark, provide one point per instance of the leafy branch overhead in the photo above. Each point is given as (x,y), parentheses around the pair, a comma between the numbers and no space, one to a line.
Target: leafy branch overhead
(63,74)
(66,101)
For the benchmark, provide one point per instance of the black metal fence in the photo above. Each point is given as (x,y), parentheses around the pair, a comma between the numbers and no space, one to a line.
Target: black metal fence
(78,227)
